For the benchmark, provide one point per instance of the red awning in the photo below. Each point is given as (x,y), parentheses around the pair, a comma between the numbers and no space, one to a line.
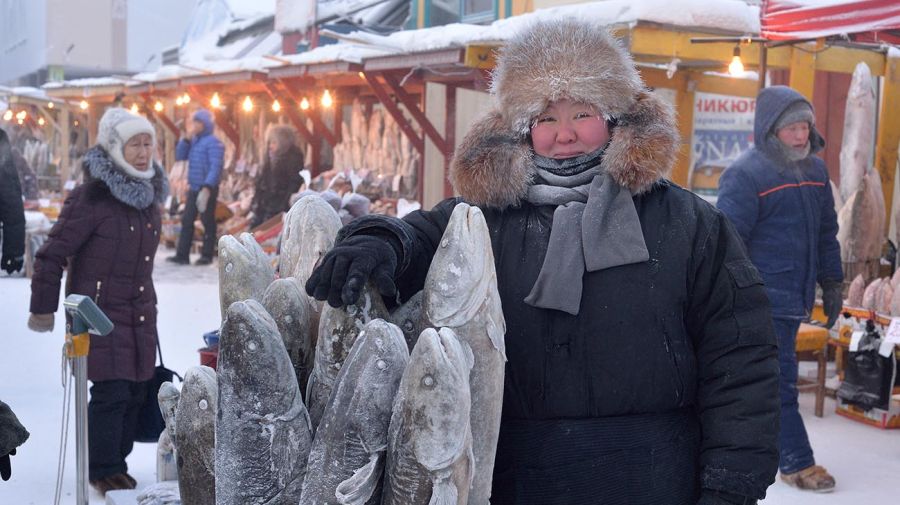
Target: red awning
(862,20)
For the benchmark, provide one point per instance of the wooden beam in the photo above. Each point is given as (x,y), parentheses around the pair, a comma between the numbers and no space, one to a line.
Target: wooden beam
(803,72)
(417,114)
(481,55)
(230,131)
(660,44)
(288,106)
(726,85)
(888,136)
(318,126)
(417,141)
(449,136)
(684,104)
(161,117)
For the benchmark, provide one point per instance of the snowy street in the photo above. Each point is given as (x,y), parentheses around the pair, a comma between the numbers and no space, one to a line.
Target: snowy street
(864,460)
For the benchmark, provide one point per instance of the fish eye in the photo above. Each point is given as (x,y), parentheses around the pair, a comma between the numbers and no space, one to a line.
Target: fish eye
(428,381)
(203,405)
(252,345)
(381,364)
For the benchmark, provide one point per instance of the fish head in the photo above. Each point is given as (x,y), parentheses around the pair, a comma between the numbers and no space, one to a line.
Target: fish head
(239,255)
(199,393)
(461,270)
(287,303)
(252,356)
(861,83)
(310,227)
(437,384)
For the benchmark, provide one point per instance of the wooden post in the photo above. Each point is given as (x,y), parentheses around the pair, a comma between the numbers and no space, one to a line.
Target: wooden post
(684,103)
(449,136)
(65,125)
(888,136)
(803,72)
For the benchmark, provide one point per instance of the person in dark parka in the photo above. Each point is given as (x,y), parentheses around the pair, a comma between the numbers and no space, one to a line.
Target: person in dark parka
(645,371)
(280,174)
(12,211)
(12,435)
(778,197)
(107,235)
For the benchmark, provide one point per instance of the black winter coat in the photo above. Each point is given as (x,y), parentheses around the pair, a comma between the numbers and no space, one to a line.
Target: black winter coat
(12,211)
(108,246)
(277,181)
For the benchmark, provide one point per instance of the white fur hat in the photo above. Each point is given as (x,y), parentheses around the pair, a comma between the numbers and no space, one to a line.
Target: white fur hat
(117,126)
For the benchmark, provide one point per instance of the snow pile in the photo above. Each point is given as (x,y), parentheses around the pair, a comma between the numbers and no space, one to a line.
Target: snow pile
(293,16)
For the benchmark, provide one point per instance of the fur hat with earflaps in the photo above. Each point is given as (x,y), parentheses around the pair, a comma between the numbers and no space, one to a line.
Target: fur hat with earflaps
(117,126)
(549,61)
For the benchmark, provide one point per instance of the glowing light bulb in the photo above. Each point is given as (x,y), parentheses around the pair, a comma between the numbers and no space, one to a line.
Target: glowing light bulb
(21,115)
(158,106)
(83,105)
(76,122)
(326,99)
(215,101)
(134,108)
(179,102)
(50,105)
(7,115)
(276,107)
(304,104)
(186,99)
(247,105)
(736,67)
(20,121)
(41,121)
(362,75)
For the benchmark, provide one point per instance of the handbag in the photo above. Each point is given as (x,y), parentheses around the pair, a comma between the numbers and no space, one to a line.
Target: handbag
(150,420)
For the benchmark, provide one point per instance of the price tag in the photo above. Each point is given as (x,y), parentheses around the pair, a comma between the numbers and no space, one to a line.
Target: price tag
(893,332)
(395,184)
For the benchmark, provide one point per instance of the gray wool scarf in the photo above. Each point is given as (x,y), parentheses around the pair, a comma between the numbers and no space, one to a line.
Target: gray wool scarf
(595,227)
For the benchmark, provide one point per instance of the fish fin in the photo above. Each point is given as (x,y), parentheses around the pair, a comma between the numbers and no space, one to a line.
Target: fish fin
(497,333)
(443,491)
(359,487)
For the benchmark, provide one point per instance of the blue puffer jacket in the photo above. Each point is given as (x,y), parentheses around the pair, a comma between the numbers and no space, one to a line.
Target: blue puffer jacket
(784,211)
(204,153)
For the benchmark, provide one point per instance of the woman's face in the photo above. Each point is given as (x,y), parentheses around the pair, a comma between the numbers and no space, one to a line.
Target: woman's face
(138,151)
(567,129)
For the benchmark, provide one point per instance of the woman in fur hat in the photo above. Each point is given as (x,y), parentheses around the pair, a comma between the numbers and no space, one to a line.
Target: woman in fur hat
(280,174)
(107,235)
(642,367)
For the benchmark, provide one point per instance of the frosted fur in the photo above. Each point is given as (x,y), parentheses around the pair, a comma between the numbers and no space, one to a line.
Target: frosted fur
(244,270)
(354,428)
(263,433)
(461,294)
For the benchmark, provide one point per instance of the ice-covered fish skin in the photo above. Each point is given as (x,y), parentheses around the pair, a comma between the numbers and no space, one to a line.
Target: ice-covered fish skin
(410,318)
(244,270)
(167,397)
(429,457)
(346,462)
(338,330)
(859,131)
(461,294)
(310,227)
(861,222)
(870,296)
(287,303)
(856,290)
(195,436)
(263,432)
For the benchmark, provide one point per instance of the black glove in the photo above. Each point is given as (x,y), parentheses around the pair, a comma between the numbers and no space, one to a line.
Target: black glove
(716,497)
(12,264)
(346,268)
(5,468)
(832,301)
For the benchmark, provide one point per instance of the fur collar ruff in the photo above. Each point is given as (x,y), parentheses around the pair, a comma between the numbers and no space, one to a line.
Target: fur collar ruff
(138,193)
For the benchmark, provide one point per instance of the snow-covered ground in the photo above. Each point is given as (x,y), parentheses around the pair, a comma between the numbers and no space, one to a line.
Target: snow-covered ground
(865,460)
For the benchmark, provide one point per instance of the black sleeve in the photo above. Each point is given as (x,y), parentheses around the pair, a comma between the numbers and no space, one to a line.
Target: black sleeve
(12,212)
(415,239)
(737,385)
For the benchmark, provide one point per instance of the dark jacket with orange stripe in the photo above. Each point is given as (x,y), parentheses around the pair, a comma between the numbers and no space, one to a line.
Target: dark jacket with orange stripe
(784,211)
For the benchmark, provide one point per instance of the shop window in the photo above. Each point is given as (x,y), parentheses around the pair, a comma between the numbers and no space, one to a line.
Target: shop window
(476,11)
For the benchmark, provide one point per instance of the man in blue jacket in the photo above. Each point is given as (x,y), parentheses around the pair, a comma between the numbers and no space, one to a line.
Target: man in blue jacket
(204,154)
(778,196)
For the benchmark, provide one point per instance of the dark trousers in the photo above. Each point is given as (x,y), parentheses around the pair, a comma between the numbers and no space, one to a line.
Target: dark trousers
(208,218)
(796,453)
(112,422)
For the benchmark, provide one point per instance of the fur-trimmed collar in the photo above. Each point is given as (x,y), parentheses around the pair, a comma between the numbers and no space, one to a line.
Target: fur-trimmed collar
(138,193)
(493,165)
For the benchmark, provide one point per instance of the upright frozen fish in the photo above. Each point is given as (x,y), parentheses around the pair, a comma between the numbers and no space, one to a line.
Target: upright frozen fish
(861,222)
(287,303)
(429,458)
(338,330)
(461,294)
(346,462)
(244,270)
(263,433)
(310,227)
(166,462)
(859,131)
(195,436)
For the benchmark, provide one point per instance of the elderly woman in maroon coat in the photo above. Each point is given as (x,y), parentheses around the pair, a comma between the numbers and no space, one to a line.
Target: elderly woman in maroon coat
(107,235)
